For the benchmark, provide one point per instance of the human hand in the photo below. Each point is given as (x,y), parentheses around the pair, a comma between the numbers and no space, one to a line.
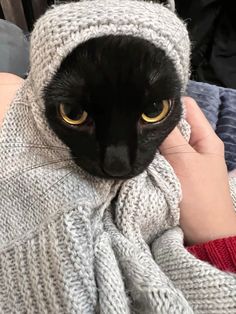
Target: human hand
(206,209)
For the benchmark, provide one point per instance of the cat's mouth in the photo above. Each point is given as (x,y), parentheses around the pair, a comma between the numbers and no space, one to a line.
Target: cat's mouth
(116,162)
(118,176)
(114,172)
(113,164)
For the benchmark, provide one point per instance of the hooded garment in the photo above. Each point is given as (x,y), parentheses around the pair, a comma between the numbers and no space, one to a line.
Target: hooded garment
(65,245)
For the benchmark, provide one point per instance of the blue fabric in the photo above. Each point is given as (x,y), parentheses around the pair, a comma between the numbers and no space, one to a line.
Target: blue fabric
(219,106)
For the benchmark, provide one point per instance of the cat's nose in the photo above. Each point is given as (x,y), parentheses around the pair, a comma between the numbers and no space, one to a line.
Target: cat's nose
(116,161)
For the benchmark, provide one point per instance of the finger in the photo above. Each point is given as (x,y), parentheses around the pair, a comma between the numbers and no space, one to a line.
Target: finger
(175,143)
(203,136)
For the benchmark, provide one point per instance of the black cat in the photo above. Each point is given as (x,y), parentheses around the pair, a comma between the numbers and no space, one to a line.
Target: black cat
(113,101)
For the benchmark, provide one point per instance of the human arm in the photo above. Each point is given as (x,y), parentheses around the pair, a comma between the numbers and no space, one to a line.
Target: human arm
(9,84)
(206,209)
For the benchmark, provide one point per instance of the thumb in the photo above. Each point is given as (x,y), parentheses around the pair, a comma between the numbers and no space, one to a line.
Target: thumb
(175,143)
(203,138)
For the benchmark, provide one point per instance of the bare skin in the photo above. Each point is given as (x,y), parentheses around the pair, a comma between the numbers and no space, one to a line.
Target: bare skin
(9,84)
(206,209)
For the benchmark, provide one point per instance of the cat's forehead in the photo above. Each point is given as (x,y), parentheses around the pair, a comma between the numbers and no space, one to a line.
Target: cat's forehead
(122,65)
(115,73)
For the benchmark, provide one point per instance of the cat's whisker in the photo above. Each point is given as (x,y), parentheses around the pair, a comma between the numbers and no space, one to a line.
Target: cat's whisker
(31,145)
(211,154)
(169,49)
(171,147)
(45,192)
(180,39)
(171,45)
(188,19)
(180,152)
(19,174)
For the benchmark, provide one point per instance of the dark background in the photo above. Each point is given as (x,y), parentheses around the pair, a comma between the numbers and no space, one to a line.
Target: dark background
(212,28)
(211,25)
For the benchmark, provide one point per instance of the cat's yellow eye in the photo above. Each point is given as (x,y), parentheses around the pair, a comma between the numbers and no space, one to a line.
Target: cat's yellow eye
(157,112)
(78,119)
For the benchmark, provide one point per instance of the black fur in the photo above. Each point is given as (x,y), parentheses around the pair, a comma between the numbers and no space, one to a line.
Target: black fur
(115,79)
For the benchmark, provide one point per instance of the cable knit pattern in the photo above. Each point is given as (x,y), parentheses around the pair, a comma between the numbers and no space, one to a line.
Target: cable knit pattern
(73,243)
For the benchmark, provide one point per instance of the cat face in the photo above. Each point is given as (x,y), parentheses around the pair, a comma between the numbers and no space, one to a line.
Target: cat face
(113,101)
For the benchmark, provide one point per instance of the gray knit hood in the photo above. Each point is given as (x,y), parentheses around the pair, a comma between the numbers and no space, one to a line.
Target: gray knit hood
(73,243)
(61,29)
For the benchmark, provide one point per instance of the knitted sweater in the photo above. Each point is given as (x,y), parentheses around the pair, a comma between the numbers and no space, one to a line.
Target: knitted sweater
(73,243)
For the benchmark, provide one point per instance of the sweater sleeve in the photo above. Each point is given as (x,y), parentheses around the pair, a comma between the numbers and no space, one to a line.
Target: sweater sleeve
(220,253)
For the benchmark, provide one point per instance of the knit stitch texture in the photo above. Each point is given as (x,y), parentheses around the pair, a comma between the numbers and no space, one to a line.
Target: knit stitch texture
(73,243)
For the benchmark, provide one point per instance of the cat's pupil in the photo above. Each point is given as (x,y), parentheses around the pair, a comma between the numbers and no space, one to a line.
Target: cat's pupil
(154,109)
(73,113)
(108,106)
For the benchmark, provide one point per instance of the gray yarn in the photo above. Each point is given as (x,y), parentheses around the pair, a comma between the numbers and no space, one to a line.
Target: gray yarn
(170,4)
(65,247)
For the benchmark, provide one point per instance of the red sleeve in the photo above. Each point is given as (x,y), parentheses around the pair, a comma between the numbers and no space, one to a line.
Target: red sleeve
(220,253)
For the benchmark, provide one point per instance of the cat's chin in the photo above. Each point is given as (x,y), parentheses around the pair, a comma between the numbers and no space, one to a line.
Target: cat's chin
(99,173)
(102,175)
(111,177)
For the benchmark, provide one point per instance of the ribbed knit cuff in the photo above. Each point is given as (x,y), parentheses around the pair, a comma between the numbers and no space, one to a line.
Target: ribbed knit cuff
(221,253)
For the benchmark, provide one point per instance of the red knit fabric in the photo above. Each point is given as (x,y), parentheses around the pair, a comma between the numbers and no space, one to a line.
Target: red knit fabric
(220,253)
